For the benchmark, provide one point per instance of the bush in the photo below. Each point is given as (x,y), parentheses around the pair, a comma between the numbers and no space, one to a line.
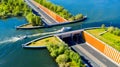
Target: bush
(78,16)
(60,10)
(33,19)
(111,29)
(117,31)
(64,56)
(103,26)
(54,53)
(18,8)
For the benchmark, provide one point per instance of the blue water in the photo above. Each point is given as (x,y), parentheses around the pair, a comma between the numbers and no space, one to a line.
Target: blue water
(98,11)
(11,52)
(13,55)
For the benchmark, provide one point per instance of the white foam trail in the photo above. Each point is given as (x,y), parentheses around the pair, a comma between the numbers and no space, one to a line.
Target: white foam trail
(13,39)
(43,33)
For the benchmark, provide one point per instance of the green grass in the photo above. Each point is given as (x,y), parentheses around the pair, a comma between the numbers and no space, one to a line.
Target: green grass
(108,38)
(44,42)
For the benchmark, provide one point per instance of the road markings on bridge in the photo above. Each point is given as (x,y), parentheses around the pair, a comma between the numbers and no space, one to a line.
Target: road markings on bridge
(90,56)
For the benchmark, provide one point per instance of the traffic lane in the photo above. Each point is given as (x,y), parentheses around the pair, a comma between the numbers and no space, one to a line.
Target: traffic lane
(51,20)
(99,56)
(86,58)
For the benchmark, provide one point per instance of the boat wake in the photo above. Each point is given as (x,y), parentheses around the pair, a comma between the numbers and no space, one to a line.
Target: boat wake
(21,37)
(12,39)
(42,34)
(58,31)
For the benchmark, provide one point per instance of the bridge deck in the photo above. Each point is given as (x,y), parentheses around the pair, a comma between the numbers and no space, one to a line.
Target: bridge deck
(75,40)
(93,56)
(47,18)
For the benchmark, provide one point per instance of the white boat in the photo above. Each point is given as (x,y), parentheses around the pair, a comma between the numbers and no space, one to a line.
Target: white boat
(23,37)
(64,29)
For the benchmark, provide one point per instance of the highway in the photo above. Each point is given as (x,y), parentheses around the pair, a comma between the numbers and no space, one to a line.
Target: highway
(95,58)
(48,20)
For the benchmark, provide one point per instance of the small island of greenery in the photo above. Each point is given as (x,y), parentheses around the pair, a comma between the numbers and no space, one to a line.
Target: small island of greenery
(110,35)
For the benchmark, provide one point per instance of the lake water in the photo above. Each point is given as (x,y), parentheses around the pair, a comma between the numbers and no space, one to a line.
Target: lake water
(98,11)
(11,52)
(13,55)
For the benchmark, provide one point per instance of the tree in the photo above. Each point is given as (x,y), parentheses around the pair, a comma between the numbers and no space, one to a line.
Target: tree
(103,26)
(33,21)
(29,17)
(116,31)
(71,18)
(54,53)
(59,9)
(62,59)
(78,16)
(61,49)
(111,29)
(71,64)
(16,11)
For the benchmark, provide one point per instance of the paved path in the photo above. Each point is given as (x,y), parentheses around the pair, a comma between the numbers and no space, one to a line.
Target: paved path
(48,19)
(96,59)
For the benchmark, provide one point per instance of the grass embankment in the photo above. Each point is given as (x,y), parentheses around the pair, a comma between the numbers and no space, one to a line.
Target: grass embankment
(59,10)
(109,38)
(45,41)
(18,8)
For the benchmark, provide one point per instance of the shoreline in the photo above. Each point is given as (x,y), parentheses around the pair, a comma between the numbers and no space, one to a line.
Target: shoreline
(47,26)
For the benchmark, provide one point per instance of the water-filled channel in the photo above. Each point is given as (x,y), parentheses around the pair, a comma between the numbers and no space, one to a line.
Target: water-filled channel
(13,55)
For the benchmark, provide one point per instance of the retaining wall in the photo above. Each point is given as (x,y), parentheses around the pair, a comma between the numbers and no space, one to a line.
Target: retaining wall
(102,47)
(50,13)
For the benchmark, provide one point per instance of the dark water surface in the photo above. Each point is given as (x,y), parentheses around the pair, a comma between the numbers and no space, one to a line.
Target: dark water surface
(13,55)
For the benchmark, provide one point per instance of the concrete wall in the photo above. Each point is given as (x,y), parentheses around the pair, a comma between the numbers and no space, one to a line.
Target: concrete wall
(102,47)
(50,13)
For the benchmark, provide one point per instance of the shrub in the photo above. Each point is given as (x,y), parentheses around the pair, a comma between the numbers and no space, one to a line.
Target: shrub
(54,53)
(78,16)
(111,29)
(60,10)
(103,26)
(63,58)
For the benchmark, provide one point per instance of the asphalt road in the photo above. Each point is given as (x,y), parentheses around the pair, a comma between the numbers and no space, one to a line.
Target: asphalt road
(94,57)
(47,18)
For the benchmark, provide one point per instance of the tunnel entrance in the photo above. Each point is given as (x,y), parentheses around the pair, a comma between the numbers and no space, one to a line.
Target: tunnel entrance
(72,38)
